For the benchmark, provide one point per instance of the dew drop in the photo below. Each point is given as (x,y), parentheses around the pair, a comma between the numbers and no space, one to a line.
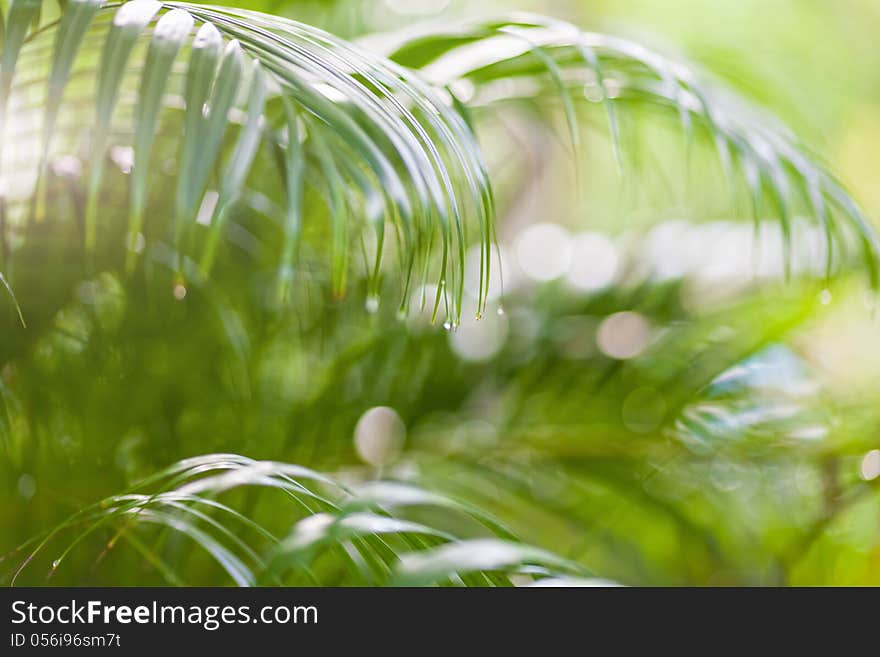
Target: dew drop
(179,291)
(447,325)
(825,297)
(55,564)
(500,310)
(372,304)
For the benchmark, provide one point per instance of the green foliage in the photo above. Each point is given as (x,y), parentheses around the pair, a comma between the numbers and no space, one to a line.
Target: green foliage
(346,536)
(201,201)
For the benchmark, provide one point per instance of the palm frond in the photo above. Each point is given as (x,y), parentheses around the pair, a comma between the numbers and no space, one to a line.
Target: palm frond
(381,145)
(377,140)
(351,534)
(487,63)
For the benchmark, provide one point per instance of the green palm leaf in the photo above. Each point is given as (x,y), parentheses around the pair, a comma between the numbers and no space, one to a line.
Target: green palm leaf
(385,129)
(362,535)
(473,57)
